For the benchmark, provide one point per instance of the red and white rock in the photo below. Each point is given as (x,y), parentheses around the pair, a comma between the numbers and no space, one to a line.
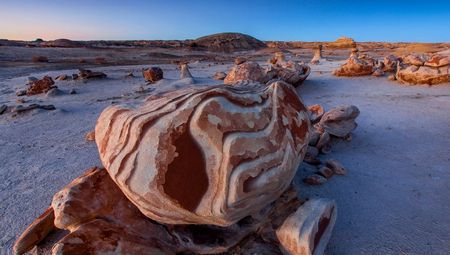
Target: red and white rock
(205,155)
(340,121)
(308,230)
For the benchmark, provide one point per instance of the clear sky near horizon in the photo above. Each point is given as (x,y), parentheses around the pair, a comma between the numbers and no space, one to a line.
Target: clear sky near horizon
(289,20)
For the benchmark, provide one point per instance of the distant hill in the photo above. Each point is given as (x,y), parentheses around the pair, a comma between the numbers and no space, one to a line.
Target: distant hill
(228,42)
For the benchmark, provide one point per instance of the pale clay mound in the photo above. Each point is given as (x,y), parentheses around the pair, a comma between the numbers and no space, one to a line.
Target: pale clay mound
(394,199)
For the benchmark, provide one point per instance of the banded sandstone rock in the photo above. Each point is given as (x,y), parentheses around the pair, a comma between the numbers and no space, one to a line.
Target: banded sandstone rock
(205,155)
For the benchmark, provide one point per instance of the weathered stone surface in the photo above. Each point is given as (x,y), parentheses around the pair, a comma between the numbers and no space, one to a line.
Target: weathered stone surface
(239,60)
(41,86)
(219,76)
(324,140)
(342,42)
(39,59)
(61,77)
(390,63)
(308,230)
(415,59)
(92,216)
(340,121)
(422,74)
(90,136)
(315,179)
(316,112)
(438,61)
(88,74)
(22,109)
(205,155)
(54,92)
(326,172)
(152,74)
(246,71)
(355,66)
(336,166)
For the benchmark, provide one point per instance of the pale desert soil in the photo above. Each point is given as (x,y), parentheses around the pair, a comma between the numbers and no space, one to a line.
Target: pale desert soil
(394,200)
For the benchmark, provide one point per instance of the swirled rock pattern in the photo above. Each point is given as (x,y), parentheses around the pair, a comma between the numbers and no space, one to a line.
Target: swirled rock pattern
(205,155)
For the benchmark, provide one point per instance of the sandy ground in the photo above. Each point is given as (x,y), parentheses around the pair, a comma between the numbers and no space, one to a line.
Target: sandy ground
(394,200)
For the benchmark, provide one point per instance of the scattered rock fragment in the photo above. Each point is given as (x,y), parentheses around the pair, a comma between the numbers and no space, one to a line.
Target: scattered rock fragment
(324,140)
(39,59)
(311,156)
(336,166)
(325,172)
(62,77)
(74,76)
(90,136)
(315,179)
(308,230)
(88,74)
(54,92)
(72,92)
(314,138)
(219,76)
(152,74)
(239,60)
(340,121)
(41,86)
(22,109)
(129,75)
(316,112)
(3,108)
(392,77)
(20,93)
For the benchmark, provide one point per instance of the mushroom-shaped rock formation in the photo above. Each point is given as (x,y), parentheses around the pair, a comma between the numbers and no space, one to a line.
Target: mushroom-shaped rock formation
(317,55)
(421,69)
(340,121)
(356,66)
(205,155)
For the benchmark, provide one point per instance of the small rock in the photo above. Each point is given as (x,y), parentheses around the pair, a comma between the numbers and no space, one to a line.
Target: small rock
(72,92)
(219,76)
(74,76)
(340,121)
(129,74)
(90,136)
(315,112)
(20,101)
(41,86)
(336,166)
(392,77)
(325,172)
(88,74)
(53,92)
(239,60)
(314,138)
(311,156)
(32,79)
(21,93)
(152,74)
(315,179)
(49,107)
(3,108)
(41,59)
(61,77)
(323,140)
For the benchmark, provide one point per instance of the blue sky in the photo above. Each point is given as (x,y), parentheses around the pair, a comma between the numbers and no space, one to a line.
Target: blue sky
(303,20)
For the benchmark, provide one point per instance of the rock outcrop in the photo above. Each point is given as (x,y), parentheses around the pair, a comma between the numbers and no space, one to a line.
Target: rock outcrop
(356,66)
(423,69)
(205,155)
(40,86)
